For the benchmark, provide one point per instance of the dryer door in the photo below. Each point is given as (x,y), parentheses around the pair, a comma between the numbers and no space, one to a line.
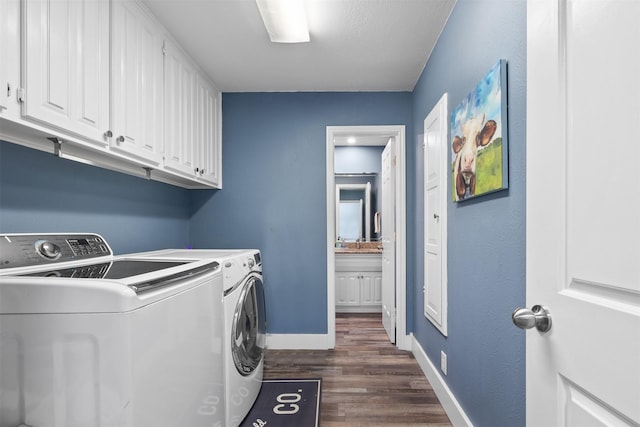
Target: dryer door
(249,326)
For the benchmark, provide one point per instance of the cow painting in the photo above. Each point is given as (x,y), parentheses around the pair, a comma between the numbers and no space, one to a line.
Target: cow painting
(475,133)
(478,138)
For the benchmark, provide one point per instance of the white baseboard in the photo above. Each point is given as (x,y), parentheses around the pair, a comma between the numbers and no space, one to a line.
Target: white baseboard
(298,341)
(447,399)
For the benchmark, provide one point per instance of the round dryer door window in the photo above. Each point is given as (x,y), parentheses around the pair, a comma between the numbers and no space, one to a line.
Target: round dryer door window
(249,327)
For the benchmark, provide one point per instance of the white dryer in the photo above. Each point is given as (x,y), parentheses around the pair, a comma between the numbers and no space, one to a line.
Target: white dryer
(244,320)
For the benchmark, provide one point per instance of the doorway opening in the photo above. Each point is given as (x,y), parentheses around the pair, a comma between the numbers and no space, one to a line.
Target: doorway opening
(370,136)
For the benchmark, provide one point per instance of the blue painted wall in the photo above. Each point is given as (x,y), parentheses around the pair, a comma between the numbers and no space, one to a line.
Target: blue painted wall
(274,199)
(274,195)
(487,235)
(358,159)
(42,193)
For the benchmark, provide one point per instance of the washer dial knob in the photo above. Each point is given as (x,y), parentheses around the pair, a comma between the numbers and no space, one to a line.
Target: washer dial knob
(49,250)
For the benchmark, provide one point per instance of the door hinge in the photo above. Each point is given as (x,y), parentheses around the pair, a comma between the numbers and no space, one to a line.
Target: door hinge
(21,95)
(164,48)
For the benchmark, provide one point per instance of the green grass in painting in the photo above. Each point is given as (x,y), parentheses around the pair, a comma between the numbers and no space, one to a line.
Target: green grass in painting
(489,168)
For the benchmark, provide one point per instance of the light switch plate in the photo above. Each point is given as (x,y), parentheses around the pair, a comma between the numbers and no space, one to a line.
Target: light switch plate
(443,362)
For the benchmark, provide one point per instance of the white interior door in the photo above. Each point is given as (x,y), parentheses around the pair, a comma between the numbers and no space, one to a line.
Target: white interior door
(435,215)
(583,211)
(388,241)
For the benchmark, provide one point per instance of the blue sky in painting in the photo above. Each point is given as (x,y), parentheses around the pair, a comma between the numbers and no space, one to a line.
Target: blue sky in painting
(486,99)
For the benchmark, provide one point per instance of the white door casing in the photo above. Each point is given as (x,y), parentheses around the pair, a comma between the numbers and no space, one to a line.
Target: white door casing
(335,134)
(435,215)
(388,238)
(583,212)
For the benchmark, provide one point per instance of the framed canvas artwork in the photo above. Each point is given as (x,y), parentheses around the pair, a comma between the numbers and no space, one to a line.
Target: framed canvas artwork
(479,142)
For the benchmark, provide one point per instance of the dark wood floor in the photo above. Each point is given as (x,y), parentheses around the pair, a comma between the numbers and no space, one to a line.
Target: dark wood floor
(366,381)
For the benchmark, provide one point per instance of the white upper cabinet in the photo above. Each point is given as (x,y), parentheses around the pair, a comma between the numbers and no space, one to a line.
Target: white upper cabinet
(66,65)
(180,104)
(10,63)
(209,150)
(107,79)
(137,92)
(191,119)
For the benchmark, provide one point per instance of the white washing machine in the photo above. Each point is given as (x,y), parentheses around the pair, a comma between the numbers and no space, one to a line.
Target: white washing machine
(90,339)
(244,320)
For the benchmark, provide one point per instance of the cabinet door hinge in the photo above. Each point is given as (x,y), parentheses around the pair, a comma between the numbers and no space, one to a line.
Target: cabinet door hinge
(21,94)
(164,48)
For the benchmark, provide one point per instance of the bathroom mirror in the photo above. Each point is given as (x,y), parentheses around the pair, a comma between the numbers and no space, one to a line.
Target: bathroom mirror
(353,212)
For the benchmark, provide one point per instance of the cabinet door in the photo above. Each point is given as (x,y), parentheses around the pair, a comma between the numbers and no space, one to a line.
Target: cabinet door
(180,106)
(347,288)
(371,288)
(66,68)
(208,160)
(377,288)
(136,101)
(10,54)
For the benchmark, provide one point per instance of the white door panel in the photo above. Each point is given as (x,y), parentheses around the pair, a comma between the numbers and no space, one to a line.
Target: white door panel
(435,211)
(388,242)
(583,212)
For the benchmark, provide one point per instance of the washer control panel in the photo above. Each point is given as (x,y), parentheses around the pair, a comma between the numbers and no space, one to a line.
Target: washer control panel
(24,250)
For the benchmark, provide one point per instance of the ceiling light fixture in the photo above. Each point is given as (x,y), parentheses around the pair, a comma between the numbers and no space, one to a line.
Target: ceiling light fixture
(285,20)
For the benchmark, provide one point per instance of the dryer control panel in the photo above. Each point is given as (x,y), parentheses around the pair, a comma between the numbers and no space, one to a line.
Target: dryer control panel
(25,250)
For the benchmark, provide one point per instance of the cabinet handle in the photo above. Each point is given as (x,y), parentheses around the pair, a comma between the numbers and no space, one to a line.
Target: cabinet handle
(201,171)
(120,139)
(108,134)
(197,170)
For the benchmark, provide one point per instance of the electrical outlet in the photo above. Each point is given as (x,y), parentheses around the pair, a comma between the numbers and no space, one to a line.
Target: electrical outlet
(443,362)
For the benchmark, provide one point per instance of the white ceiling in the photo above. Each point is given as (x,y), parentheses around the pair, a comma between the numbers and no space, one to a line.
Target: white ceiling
(356,45)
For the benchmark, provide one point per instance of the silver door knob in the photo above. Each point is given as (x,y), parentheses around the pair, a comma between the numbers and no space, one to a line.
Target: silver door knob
(538,317)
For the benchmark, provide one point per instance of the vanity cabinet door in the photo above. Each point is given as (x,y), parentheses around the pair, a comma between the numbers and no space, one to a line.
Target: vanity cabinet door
(137,77)
(347,288)
(371,288)
(66,68)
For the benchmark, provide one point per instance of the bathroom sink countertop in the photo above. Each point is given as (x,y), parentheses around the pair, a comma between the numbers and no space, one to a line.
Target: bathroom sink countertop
(365,248)
(357,251)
